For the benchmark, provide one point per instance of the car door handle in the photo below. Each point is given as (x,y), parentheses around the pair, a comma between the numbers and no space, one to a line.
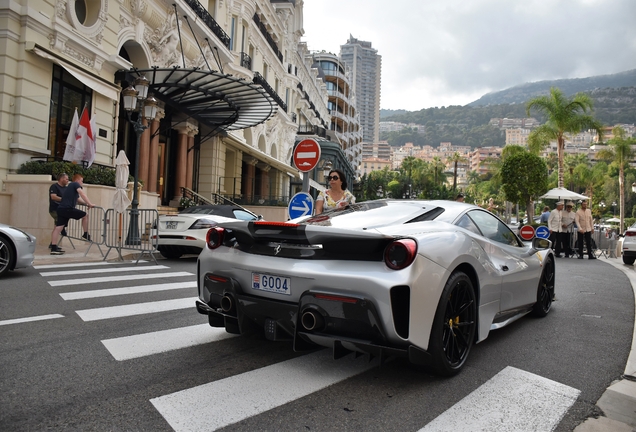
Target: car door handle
(504,267)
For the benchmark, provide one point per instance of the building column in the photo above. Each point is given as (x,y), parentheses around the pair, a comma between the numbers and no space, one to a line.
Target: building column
(248,180)
(153,157)
(182,157)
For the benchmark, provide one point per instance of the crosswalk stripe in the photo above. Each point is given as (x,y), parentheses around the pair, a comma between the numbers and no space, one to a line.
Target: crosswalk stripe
(78,295)
(103,270)
(30,319)
(512,400)
(238,397)
(88,281)
(83,264)
(130,347)
(135,309)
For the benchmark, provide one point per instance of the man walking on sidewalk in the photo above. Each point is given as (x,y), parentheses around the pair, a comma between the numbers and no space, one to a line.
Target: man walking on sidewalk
(585,224)
(66,210)
(55,196)
(556,228)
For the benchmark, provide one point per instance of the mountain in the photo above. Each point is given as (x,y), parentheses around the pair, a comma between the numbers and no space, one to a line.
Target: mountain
(386,113)
(520,94)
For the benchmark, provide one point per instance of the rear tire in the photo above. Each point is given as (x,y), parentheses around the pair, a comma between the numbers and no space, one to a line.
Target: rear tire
(545,291)
(454,327)
(169,252)
(629,260)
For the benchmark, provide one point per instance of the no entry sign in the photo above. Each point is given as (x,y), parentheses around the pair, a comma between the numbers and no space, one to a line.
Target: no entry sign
(306,155)
(526,232)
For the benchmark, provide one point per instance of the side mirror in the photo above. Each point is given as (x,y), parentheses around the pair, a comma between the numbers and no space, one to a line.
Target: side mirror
(539,244)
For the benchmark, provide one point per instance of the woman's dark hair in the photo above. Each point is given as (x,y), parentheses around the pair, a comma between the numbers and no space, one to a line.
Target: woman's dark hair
(343,179)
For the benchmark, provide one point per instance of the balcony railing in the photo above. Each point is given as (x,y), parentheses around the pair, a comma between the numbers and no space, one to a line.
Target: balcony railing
(312,130)
(209,21)
(258,79)
(270,40)
(246,61)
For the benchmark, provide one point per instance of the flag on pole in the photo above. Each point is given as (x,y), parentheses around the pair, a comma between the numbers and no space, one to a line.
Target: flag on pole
(89,152)
(83,138)
(69,152)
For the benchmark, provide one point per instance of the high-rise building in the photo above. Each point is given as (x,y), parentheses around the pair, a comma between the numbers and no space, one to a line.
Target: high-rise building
(366,65)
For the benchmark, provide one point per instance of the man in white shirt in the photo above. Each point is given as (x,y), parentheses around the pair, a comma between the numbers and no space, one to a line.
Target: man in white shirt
(585,224)
(555,225)
(567,221)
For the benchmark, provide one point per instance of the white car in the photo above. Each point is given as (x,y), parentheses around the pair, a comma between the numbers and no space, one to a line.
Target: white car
(629,245)
(424,280)
(184,233)
(17,249)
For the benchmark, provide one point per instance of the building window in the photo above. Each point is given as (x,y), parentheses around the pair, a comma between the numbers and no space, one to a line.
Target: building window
(67,94)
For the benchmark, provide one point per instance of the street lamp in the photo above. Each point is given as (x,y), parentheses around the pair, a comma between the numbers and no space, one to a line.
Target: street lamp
(147,109)
(614,208)
(634,187)
(602,207)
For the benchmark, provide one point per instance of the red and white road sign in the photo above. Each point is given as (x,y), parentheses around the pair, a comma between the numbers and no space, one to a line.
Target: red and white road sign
(526,232)
(306,155)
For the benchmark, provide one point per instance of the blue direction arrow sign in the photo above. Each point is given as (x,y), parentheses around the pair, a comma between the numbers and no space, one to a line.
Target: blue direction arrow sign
(301,204)
(543,232)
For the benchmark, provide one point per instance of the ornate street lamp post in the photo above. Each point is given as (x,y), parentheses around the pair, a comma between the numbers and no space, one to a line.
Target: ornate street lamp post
(136,100)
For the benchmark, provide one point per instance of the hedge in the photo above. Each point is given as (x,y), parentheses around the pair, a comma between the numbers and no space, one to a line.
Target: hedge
(96,174)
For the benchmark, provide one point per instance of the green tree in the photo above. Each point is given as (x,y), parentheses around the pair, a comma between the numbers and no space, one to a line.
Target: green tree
(455,159)
(564,115)
(523,179)
(620,153)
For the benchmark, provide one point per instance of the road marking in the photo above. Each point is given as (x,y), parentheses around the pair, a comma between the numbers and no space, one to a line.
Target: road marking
(238,397)
(128,290)
(135,309)
(103,270)
(84,264)
(88,281)
(512,400)
(130,347)
(30,319)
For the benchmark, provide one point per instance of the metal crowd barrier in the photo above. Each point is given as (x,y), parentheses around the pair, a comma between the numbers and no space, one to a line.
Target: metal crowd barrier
(74,230)
(601,245)
(131,231)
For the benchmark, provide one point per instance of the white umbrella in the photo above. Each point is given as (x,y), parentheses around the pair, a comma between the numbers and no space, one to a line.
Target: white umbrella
(120,200)
(563,193)
(613,220)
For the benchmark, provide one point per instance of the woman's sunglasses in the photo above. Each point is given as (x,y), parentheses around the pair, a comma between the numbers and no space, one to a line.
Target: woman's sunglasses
(333,178)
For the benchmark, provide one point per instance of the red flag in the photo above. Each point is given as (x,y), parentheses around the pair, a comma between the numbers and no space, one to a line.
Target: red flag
(84,139)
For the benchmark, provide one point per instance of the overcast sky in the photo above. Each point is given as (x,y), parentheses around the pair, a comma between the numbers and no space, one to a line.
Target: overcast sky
(451,52)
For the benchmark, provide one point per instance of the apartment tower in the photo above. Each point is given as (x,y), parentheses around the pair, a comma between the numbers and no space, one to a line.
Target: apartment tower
(366,65)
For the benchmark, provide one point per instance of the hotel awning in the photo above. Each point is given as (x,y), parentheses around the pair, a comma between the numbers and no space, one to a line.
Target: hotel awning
(217,100)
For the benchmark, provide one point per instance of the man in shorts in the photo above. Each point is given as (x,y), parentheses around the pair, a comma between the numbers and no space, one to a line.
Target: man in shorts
(66,210)
(55,196)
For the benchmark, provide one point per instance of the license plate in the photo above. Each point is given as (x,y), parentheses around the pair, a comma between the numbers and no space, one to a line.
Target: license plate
(271,283)
(171,225)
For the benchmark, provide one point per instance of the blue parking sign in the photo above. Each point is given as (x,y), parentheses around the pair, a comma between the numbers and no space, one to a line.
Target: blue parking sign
(301,204)
(543,232)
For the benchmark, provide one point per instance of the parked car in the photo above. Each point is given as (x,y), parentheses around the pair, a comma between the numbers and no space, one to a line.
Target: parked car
(628,247)
(17,249)
(185,233)
(420,279)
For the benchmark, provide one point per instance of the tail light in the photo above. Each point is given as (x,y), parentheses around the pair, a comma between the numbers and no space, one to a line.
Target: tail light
(630,233)
(400,254)
(214,237)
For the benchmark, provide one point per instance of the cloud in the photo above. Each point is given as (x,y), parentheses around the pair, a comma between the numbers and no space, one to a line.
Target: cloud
(447,52)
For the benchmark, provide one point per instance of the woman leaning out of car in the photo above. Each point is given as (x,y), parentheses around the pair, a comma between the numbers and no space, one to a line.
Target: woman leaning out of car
(337,196)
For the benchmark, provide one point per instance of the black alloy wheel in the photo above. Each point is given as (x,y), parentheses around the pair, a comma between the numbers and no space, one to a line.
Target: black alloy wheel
(545,292)
(455,324)
(7,256)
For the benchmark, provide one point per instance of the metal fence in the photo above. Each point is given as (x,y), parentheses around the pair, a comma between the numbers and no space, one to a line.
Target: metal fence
(75,231)
(603,243)
(131,231)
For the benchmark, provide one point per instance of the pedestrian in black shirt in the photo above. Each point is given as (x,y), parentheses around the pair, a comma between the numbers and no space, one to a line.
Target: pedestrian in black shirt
(55,196)
(66,210)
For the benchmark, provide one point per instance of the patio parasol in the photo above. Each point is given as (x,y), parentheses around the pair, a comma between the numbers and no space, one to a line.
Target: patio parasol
(559,193)
(120,200)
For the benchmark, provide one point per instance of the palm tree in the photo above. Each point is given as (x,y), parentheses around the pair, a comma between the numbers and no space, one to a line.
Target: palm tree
(455,159)
(620,153)
(564,115)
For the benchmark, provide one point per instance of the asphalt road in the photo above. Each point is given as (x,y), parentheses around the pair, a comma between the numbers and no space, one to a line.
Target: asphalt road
(92,363)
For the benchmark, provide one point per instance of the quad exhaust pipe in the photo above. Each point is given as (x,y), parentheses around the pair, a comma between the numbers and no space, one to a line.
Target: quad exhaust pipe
(312,320)
(227,303)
